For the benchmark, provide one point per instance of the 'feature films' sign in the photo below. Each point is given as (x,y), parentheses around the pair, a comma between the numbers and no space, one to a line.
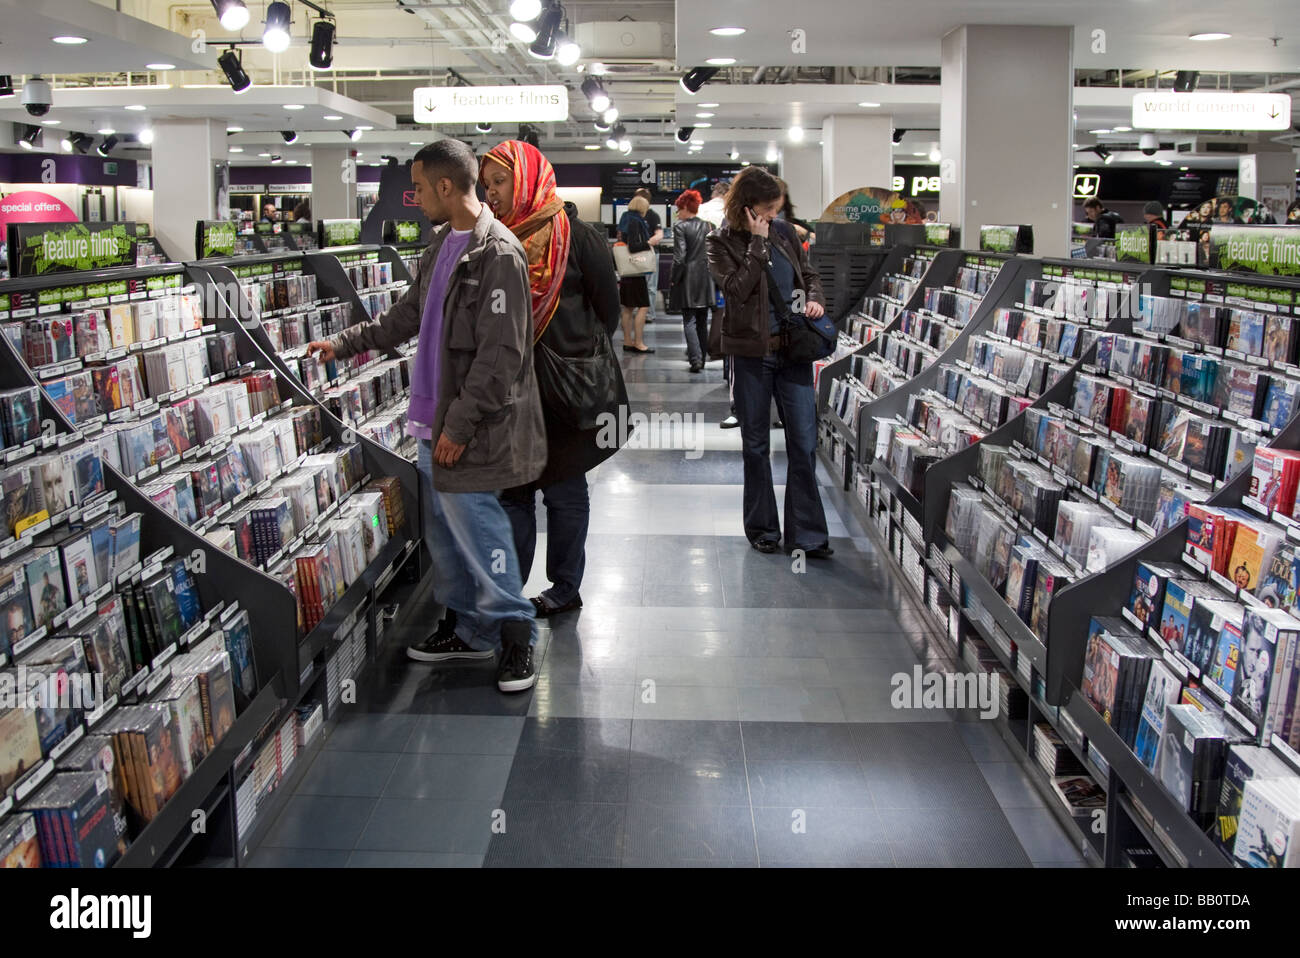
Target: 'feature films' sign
(491,104)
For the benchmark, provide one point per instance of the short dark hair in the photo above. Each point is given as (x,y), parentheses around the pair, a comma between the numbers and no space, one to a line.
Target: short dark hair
(642,191)
(450,159)
(753,185)
(1092,203)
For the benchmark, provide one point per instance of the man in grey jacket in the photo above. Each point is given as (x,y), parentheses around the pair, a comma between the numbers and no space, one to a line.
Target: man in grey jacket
(473,389)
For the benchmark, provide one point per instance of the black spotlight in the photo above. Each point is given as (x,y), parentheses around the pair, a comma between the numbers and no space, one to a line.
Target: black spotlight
(1185,81)
(6,86)
(322,45)
(528,134)
(484,127)
(30,137)
(697,77)
(81,142)
(353,135)
(290,136)
(595,93)
(234,70)
(898,135)
(106,147)
(548,25)
(684,134)
(601,125)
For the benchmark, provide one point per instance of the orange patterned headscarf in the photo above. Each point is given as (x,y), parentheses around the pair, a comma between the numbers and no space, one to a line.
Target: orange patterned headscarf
(537,218)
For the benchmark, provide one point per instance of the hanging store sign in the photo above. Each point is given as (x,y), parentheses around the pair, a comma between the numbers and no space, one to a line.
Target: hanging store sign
(1269,250)
(214,238)
(491,104)
(38,249)
(1086,185)
(1211,111)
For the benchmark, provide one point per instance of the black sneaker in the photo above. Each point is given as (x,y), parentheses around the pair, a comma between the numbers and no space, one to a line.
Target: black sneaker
(731,422)
(444,646)
(516,672)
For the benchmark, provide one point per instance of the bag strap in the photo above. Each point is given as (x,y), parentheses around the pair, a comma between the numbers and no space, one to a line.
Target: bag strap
(779,305)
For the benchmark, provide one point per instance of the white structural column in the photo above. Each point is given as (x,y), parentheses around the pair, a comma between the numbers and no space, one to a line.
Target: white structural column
(1005,131)
(801,168)
(1268,175)
(856,151)
(333,188)
(185,153)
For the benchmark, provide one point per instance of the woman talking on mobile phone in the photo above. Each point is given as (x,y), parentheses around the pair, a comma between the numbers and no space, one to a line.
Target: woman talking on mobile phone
(760,266)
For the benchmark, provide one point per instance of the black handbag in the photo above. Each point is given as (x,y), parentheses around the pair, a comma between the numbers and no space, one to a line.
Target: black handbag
(577,390)
(803,339)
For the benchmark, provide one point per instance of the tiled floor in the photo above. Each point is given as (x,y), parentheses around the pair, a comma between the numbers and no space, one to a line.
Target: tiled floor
(710,706)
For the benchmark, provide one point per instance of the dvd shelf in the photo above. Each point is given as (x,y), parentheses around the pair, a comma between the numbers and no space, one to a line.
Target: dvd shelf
(1070,547)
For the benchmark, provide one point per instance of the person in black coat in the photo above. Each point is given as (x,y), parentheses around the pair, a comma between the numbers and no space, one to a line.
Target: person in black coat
(691,288)
(587,311)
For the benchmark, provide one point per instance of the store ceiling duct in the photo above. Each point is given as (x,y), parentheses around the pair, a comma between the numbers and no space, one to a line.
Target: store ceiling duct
(625,40)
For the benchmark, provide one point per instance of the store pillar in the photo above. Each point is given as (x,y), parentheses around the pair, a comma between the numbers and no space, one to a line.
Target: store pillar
(1006,129)
(333,183)
(185,157)
(801,168)
(1268,176)
(856,151)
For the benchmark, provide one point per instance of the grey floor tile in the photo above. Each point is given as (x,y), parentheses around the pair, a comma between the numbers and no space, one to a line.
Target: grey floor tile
(663,833)
(593,737)
(685,863)
(920,785)
(1011,785)
(700,703)
(565,669)
(561,700)
(803,784)
(790,702)
(537,777)
(466,734)
(360,774)
(985,742)
(718,742)
(1042,836)
(870,705)
(910,742)
(798,742)
(685,670)
(952,836)
(320,821)
(367,858)
(426,825)
(821,835)
(364,732)
(1069,863)
(449,778)
(266,857)
(541,833)
(691,781)
(961,854)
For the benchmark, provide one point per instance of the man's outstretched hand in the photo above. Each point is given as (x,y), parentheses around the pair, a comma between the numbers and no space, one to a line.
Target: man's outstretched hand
(324,347)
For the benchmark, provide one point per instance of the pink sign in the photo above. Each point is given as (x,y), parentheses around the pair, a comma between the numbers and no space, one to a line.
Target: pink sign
(30,206)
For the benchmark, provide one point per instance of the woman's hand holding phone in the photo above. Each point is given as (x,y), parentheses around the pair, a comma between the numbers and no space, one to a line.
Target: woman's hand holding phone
(757,225)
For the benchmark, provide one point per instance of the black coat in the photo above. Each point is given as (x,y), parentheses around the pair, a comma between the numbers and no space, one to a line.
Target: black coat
(691,285)
(588,302)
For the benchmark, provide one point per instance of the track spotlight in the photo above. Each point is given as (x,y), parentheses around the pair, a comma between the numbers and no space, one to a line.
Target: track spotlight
(525,9)
(31,136)
(524,32)
(610,115)
(528,134)
(696,78)
(6,86)
(684,134)
(290,136)
(899,133)
(567,51)
(232,13)
(595,93)
(353,135)
(233,68)
(548,27)
(1185,81)
(275,36)
(601,125)
(484,127)
(322,45)
(145,136)
(106,147)
(81,142)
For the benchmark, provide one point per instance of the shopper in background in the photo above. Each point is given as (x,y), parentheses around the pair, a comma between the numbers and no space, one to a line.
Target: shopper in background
(803,231)
(714,211)
(473,386)
(656,237)
(1154,215)
(575,312)
(757,265)
(633,293)
(302,212)
(691,288)
(1103,220)
(268,212)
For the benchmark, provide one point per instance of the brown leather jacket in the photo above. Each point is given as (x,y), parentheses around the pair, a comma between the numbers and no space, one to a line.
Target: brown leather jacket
(737,259)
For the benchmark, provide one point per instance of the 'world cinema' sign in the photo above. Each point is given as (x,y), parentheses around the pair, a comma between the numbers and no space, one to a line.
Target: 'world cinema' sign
(1211,111)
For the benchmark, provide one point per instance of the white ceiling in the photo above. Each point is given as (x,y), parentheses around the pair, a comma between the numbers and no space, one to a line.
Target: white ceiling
(1138,33)
(115,42)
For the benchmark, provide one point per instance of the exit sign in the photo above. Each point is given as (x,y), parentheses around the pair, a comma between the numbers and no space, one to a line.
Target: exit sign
(110,168)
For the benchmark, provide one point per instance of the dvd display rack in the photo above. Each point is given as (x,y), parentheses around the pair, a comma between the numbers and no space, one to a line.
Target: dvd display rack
(230,439)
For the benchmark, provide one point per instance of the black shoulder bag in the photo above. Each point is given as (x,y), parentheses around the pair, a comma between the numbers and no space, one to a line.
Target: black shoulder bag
(803,340)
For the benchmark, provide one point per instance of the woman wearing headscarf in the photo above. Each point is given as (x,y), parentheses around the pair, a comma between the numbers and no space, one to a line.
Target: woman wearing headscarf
(575,311)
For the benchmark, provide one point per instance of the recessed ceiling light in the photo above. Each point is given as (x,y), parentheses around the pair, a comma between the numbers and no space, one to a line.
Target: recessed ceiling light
(234,129)
(145,136)
(235,149)
(264,155)
(293,106)
(292,162)
(703,126)
(365,128)
(136,106)
(706,106)
(1209,36)
(704,116)
(1164,163)
(592,146)
(919,154)
(727,31)
(720,61)
(70,40)
(160,66)
(697,142)
(1183,169)
(1123,129)
(869,104)
(1104,129)
(50,122)
(332,116)
(107,131)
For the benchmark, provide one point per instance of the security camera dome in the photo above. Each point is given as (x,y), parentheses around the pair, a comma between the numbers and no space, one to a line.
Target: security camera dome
(1149,144)
(37,97)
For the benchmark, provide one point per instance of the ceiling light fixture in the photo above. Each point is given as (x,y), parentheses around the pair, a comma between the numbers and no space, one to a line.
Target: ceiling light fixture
(289,136)
(1104,129)
(684,134)
(523,32)
(734,154)
(1206,37)
(321,56)
(107,131)
(935,155)
(484,127)
(1185,81)
(275,34)
(625,146)
(65,144)
(707,106)
(160,66)
(548,26)
(234,129)
(727,31)
(795,133)
(597,96)
(771,153)
(136,107)
(232,14)
(332,116)
(69,41)
(899,133)
(235,149)
(1122,129)
(31,135)
(51,122)
(693,81)
(705,116)
(294,106)
(233,68)
(610,116)
(525,9)
(601,125)
(567,51)
(591,146)
(868,104)
(145,136)
(354,135)
(720,61)
(265,156)
(107,146)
